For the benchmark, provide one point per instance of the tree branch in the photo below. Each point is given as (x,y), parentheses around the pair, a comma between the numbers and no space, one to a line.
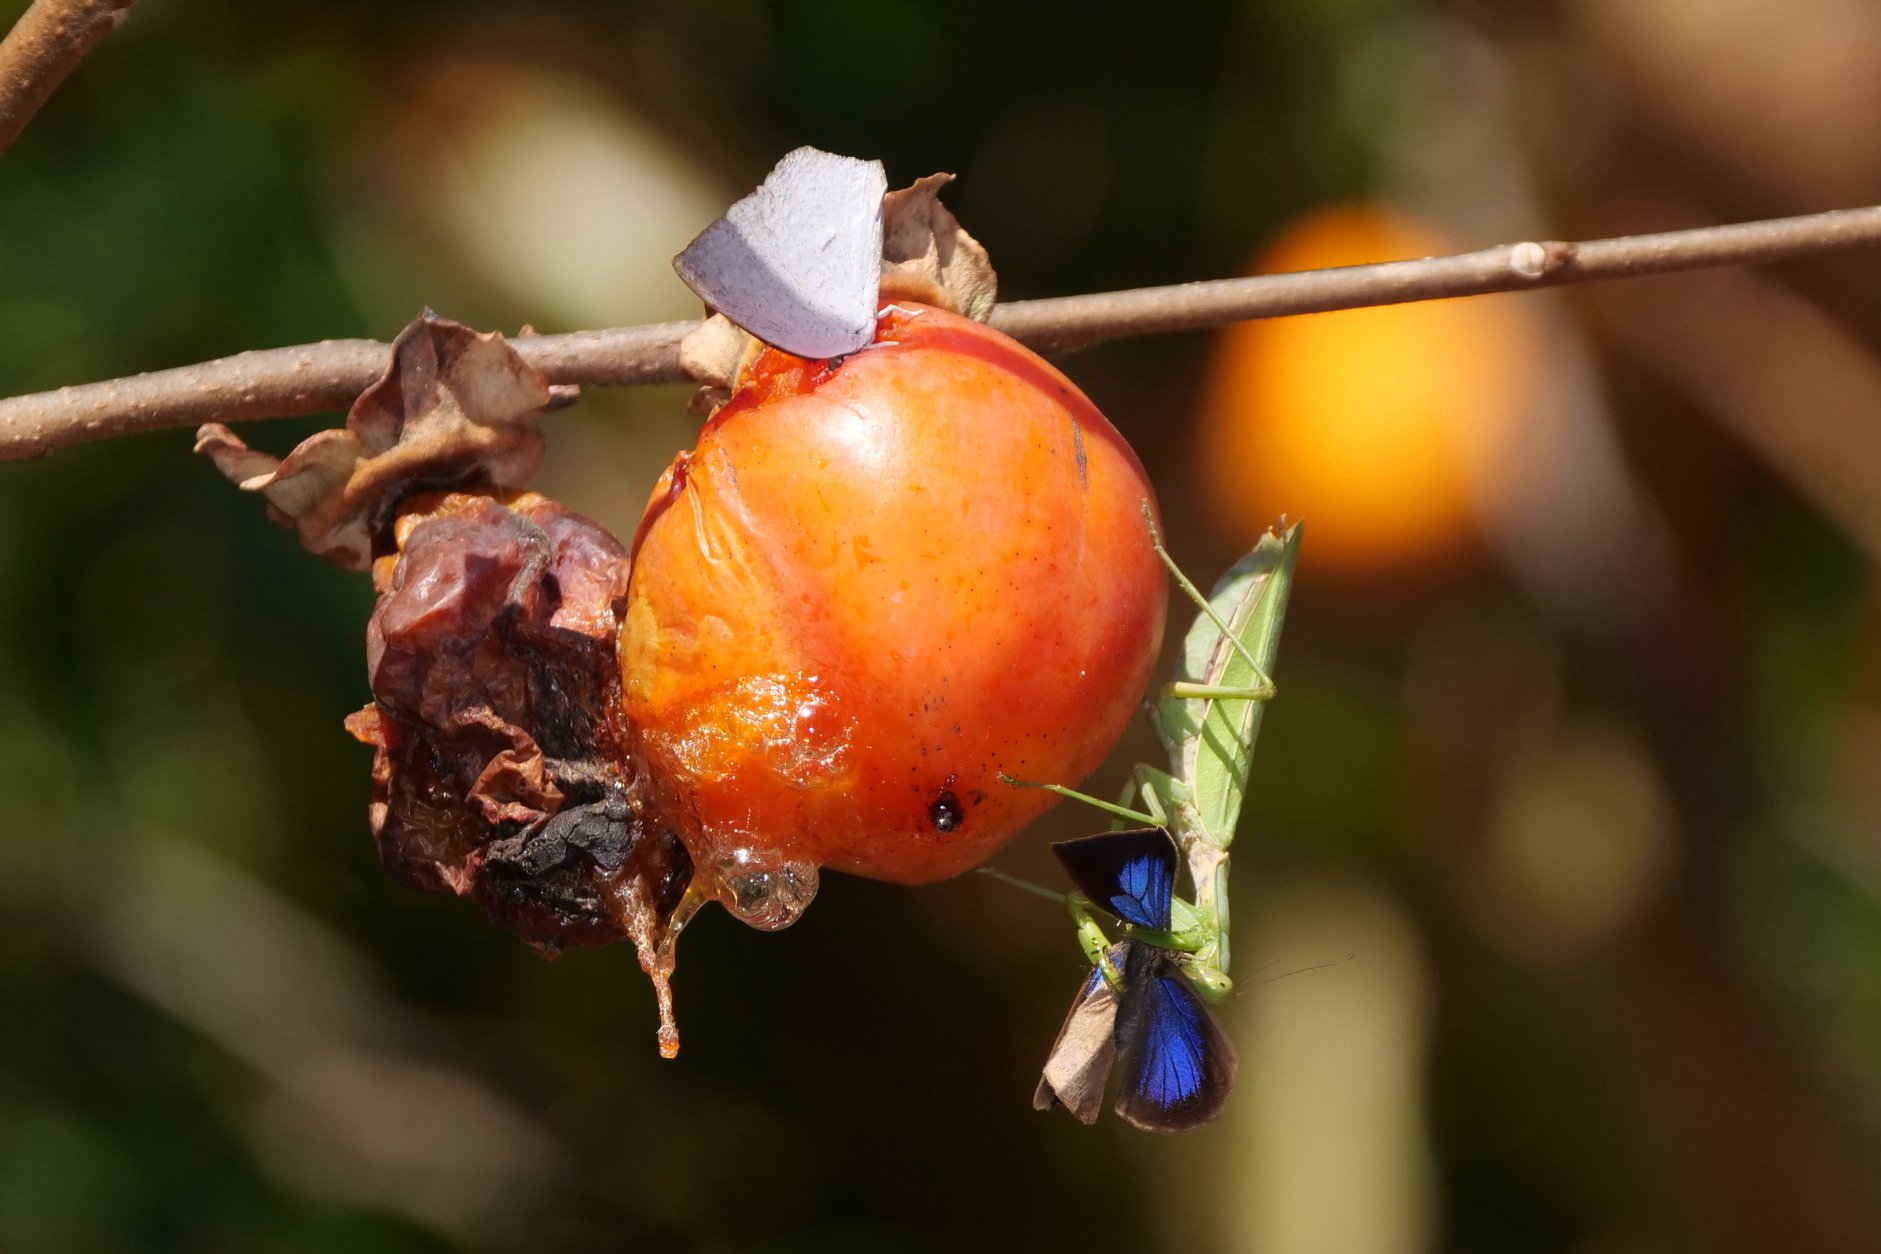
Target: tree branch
(312,378)
(1074,321)
(44,46)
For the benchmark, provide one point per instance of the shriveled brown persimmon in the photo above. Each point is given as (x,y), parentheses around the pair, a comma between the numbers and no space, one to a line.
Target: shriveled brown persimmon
(499,771)
(876,585)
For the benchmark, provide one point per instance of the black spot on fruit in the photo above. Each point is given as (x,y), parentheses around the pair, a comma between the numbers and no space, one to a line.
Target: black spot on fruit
(944,812)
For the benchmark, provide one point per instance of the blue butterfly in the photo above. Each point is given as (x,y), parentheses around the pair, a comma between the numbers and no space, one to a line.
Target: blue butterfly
(1178,1067)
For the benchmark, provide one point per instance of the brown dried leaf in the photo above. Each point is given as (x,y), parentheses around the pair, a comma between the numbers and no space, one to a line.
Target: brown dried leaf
(927,257)
(454,407)
(247,468)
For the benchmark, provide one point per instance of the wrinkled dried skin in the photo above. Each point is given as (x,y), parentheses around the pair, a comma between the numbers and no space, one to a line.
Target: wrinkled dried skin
(500,774)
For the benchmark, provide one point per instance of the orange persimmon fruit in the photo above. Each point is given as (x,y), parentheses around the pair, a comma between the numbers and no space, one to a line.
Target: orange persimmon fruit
(877,584)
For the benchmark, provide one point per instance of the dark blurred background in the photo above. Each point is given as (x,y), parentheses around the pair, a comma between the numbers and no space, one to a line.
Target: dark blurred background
(1559,893)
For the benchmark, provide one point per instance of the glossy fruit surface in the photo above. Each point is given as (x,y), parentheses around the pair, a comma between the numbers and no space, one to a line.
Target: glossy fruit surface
(875,585)
(1382,428)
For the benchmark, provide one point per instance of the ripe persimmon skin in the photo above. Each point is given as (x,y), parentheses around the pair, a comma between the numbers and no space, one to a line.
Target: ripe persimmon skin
(876,585)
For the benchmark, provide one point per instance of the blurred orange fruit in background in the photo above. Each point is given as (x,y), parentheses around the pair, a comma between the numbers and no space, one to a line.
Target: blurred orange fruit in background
(1381,428)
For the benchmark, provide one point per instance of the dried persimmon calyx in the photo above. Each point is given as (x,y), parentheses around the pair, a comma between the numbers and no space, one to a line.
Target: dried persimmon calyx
(803,264)
(455,406)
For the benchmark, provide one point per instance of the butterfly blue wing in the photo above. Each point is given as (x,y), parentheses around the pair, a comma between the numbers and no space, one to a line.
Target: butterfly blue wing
(1079,1065)
(1178,1067)
(1131,874)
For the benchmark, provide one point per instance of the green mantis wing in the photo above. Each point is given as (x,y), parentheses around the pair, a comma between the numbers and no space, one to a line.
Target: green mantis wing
(1211,739)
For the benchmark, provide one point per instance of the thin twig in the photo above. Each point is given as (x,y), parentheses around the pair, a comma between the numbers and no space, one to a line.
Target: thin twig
(1074,321)
(291,382)
(44,46)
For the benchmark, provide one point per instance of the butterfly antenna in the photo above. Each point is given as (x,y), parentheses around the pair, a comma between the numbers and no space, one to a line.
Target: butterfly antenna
(1317,966)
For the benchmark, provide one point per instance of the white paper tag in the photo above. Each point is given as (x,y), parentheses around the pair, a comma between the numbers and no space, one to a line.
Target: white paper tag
(798,262)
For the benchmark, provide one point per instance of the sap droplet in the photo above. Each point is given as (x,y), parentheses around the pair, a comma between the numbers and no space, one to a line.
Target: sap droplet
(765,890)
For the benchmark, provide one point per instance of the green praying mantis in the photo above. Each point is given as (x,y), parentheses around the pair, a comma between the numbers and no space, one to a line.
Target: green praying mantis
(1207,717)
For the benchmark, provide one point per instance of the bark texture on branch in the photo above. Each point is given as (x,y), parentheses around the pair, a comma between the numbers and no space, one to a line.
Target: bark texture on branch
(313,378)
(1074,321)
(44,46)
